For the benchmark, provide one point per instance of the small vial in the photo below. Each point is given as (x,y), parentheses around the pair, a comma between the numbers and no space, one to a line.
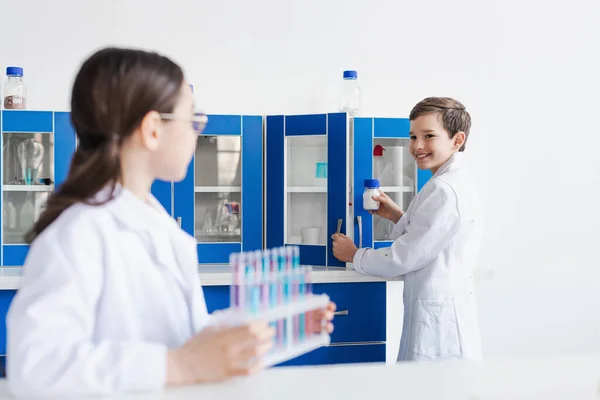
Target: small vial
(371,189)
(241,282)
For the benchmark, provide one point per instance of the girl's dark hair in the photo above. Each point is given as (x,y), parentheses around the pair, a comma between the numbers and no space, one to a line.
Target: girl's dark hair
(113,91)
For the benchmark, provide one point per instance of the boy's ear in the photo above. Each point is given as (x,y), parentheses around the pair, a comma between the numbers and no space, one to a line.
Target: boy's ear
(459,139)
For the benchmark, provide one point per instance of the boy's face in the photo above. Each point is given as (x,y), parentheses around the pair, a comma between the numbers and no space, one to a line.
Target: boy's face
(430,144)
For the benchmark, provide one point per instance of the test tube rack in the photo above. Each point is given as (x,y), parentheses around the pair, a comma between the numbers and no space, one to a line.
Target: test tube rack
(291,348)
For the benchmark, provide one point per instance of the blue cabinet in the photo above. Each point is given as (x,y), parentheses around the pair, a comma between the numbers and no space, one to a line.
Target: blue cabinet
(307,172)
(381,150)
(220,201)
(37,150)
(360,326)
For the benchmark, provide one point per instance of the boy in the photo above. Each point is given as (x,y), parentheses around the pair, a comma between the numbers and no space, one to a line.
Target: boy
(436,241)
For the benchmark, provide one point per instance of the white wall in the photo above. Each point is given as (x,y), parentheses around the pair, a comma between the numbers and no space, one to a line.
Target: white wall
(527,70)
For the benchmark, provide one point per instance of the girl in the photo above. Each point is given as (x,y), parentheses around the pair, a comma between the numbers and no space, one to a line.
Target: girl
(110,298)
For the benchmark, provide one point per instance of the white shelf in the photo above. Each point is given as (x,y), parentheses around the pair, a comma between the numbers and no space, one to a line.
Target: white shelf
(307,189)
(217,189)
(27,188)
(397,189)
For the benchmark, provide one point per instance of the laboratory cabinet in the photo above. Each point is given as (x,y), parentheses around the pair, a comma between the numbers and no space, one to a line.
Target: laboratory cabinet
(316,166)
(220,200)
(37,147)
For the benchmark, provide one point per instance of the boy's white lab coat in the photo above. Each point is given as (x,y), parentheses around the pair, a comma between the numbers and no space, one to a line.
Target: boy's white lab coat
(436,244)
(106,291)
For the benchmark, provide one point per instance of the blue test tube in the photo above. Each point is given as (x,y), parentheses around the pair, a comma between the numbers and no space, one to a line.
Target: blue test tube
(266,278)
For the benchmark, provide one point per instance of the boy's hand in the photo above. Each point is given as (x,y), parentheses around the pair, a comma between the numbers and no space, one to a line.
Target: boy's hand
(343,247)
(387,208)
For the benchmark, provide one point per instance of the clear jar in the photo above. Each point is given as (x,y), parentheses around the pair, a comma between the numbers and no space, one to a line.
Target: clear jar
(349,99)
(15,92)
(371,189)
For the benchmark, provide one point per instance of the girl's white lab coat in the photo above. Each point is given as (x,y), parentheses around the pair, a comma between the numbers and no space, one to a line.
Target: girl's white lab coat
(436,244)
(106,291)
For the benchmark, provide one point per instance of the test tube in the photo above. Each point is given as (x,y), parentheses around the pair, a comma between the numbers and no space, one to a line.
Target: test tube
(234,288)
(308,293)
(266,278)
(241,282)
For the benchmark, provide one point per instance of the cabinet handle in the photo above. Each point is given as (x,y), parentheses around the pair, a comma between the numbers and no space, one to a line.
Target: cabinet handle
(359,220)
(343,312)
(339,226)
(179,221)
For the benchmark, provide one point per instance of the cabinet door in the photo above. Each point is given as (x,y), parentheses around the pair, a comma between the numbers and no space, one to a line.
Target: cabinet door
(381,151)
(307,183)
(220,199)
(37,147)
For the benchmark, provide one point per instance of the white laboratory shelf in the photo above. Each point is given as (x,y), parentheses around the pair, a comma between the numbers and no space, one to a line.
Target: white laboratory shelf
(217,189)
(397,189)
(27,188)
(307,189)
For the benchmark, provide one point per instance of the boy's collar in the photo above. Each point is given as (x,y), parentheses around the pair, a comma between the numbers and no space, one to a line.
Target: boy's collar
(454,159)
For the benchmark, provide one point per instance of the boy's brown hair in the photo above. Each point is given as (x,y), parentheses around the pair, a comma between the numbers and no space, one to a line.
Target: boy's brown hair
(454,115)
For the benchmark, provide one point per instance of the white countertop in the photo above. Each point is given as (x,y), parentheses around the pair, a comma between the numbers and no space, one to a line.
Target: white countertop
(567,377)
(215,275)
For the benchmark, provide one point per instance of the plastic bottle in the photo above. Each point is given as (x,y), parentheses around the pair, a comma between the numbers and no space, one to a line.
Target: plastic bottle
(350,95)
(15,92)
(381,166)
(371,189)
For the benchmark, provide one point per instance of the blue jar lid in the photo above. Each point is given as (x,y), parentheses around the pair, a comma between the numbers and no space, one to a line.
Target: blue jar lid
(14,71)
(372,183)
(350,74)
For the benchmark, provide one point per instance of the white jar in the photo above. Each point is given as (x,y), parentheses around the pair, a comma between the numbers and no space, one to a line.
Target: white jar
(371,189)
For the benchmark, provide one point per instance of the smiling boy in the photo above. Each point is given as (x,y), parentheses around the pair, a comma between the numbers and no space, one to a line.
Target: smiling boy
(436,241)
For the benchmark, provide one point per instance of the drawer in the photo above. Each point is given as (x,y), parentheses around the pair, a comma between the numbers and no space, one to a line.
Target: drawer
(365,304)
(340,354)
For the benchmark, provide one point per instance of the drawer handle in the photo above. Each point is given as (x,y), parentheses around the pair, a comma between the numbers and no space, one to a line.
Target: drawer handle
(343,312)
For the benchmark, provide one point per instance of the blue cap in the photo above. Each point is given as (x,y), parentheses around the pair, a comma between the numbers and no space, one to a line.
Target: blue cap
(372,183)
(350,74)
(14,71)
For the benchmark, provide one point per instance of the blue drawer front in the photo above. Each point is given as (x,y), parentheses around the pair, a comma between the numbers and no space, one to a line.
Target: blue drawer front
(381,245)
(358,353)
(366,305)
(6,297)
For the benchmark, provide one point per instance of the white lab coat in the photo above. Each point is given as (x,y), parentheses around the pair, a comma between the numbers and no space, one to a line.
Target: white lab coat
(436,245)
(106,291)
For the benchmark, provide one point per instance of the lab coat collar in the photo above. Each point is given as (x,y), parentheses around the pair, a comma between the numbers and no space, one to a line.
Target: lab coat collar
(455,160)
(134,213)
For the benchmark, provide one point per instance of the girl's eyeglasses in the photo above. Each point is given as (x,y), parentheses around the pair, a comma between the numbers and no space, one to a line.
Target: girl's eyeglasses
(198,120)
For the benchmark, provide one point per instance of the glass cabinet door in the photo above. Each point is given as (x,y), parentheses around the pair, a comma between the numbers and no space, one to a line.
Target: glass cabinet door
(28,179)
(396,170)
(381,151)
(307,183)
(306,190)
(218,200)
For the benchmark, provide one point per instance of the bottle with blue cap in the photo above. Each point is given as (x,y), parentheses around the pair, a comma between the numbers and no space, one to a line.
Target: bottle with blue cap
(15,92)
(371,189)
(350,95)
